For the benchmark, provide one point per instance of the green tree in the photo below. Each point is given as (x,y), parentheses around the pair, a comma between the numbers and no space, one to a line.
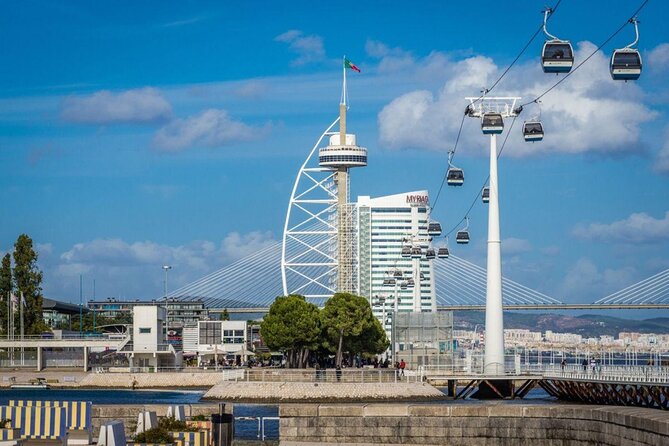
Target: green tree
(225,316)
(28,281)
(292,326)
(347,321)
(5,289)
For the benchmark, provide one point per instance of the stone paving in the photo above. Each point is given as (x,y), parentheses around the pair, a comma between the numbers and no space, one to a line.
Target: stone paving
(310,391)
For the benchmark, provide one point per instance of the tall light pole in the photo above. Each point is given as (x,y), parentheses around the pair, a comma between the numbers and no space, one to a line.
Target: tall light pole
(494,320)
(166,268)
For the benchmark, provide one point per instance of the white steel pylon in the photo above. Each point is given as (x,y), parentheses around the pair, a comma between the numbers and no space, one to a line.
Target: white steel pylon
(308,255)
(503,107)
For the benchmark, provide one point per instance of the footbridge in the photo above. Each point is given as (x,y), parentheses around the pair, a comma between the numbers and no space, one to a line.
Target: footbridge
(251,284)
(623,385)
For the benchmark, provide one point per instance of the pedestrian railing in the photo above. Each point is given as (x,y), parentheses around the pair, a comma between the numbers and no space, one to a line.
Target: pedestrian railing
(260,421)
(329,375)
(651,374)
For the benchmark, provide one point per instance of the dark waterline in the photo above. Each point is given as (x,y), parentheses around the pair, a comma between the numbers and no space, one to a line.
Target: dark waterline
(104,396)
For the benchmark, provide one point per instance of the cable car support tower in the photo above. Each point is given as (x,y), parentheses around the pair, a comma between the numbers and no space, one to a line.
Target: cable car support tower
(492,111)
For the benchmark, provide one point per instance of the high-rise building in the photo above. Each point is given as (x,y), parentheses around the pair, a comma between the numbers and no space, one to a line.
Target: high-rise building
(393,281)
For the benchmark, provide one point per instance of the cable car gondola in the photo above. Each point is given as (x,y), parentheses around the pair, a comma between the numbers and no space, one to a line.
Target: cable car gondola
(410,283)
(416,252)
(485,194)
(626,62)
(406,251)
(434,228)
(557,56)
(430,254)
(492,123)
(462,236)
(533,131)
(455,176)
(443,253)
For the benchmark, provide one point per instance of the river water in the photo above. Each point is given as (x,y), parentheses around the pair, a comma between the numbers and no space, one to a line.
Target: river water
(244,428)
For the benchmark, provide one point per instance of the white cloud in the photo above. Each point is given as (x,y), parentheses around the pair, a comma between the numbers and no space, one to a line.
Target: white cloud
(589,112)
(133,269)
(513,246)
(211,128)
(637,228)
(584,282)
(308,48)
(144,105)
(661,164)
(658,59)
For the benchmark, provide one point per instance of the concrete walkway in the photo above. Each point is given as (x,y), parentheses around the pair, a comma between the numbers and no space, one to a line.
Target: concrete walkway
(279,392)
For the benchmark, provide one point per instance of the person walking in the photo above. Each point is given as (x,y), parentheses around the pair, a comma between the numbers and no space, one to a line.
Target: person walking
(402,367)
(584,363)
(563,363)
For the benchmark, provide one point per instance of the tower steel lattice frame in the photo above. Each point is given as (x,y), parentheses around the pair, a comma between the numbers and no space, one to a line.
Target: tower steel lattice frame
(308,254)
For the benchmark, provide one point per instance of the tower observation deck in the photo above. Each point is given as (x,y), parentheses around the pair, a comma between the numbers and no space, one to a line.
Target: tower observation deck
(340,155)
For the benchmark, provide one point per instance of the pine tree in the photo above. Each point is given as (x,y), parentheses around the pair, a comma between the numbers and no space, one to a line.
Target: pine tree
(28,281)
(5,289)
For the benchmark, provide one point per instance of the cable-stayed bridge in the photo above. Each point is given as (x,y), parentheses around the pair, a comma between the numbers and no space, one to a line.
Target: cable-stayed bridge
(252,283)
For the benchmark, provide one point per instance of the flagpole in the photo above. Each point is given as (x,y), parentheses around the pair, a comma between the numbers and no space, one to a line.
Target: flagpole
(21,305)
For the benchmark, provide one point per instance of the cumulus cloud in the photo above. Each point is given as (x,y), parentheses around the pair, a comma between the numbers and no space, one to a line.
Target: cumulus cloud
(661,164)
(211,128)
(143,105)
(658,59)
(587,113)
(637,228)
(124,268)
(308,48)
(585,282)
(513,246)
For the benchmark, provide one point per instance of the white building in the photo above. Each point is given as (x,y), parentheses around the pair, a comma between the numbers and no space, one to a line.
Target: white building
(148,348)
(385,225)
(222,340)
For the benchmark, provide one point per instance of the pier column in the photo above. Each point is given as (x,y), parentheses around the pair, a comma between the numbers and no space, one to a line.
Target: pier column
(85,359)
(494,319)
(39,359)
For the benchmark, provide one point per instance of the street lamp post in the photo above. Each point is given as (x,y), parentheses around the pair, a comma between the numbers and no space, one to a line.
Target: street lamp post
(166,268)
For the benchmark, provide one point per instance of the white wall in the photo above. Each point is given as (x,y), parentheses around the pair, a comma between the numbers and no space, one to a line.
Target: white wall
(147,327)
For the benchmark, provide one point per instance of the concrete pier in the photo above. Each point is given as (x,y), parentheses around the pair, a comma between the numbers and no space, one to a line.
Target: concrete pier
(471,425)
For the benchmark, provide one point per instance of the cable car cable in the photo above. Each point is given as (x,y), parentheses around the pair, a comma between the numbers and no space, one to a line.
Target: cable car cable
(443,180)
(488,90)
(589,57)
(499,153)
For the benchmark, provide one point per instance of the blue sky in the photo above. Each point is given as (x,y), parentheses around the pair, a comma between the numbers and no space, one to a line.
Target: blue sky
(134,134)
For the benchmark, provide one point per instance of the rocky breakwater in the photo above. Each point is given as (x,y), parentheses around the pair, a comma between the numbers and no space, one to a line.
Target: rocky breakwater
(278,392)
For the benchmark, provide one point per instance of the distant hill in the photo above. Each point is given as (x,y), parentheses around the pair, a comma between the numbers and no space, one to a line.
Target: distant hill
(588,325)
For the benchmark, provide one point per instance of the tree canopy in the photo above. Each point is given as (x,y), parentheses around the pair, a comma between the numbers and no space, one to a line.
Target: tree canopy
(28,282)
(299,328)
(292,326)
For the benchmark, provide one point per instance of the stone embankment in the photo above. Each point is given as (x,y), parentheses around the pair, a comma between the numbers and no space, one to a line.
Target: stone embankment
(280,392)
(71,379)
(471,425)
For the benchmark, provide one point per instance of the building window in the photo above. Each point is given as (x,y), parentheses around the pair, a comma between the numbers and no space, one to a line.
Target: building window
(144,330)
(210,333)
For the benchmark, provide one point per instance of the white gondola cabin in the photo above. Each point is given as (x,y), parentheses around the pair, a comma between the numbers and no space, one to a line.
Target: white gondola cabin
(492,123)
(485,194)
(533,131)
(434,228)
(416,252)
(626,64)
(455,176)
(430,254)
(557,56)
(406,251)
(443,253)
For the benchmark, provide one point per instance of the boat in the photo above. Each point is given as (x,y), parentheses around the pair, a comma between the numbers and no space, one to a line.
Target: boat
(38,383)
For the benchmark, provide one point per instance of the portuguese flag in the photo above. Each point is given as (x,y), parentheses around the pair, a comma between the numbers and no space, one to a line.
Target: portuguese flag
(351,65)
